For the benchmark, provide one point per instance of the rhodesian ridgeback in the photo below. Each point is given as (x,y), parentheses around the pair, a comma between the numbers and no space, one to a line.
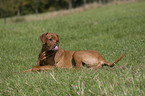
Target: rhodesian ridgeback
(51,56)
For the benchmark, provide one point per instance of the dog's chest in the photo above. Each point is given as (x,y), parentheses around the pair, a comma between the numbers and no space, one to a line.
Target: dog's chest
(48,61)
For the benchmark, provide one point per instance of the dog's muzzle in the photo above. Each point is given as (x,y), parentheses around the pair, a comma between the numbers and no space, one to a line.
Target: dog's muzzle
(55,48)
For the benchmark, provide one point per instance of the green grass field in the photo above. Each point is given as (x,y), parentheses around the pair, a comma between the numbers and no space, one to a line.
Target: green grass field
(111,30)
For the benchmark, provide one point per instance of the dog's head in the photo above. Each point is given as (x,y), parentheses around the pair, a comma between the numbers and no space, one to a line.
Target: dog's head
(50,41)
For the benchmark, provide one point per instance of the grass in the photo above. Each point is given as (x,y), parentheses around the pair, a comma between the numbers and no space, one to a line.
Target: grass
(110,30)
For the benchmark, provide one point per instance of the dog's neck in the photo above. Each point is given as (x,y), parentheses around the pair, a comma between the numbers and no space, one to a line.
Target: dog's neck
(48,52)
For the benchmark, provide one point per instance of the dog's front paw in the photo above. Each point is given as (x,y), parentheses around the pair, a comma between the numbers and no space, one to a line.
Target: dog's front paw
(43,55)
(35,68)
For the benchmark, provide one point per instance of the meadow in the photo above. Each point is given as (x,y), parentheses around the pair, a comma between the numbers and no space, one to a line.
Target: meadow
(110,30)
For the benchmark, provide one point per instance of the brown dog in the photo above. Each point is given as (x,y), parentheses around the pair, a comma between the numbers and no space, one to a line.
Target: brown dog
(51,56)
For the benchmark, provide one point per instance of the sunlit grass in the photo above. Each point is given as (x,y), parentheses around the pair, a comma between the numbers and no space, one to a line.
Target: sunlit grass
(110,30)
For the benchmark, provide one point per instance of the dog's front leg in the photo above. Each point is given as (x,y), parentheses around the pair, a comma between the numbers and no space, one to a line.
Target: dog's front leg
(42,68)
(40,63)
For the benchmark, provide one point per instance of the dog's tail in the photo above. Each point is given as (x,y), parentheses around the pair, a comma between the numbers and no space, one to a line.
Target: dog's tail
(117,60)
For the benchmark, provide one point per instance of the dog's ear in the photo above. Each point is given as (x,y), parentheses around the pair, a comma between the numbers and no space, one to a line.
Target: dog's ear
(42,38)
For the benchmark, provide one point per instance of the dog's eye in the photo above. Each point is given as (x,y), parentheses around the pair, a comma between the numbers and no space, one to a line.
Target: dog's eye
(57,41)
(50,39)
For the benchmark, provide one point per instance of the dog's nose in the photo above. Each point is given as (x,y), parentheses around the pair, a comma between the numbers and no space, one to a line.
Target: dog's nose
(54,46)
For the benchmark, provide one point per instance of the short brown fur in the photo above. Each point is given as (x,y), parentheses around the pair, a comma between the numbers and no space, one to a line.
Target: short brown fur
(49,59)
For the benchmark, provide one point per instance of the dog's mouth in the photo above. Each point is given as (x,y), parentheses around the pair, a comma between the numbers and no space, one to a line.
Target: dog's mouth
(55,48)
